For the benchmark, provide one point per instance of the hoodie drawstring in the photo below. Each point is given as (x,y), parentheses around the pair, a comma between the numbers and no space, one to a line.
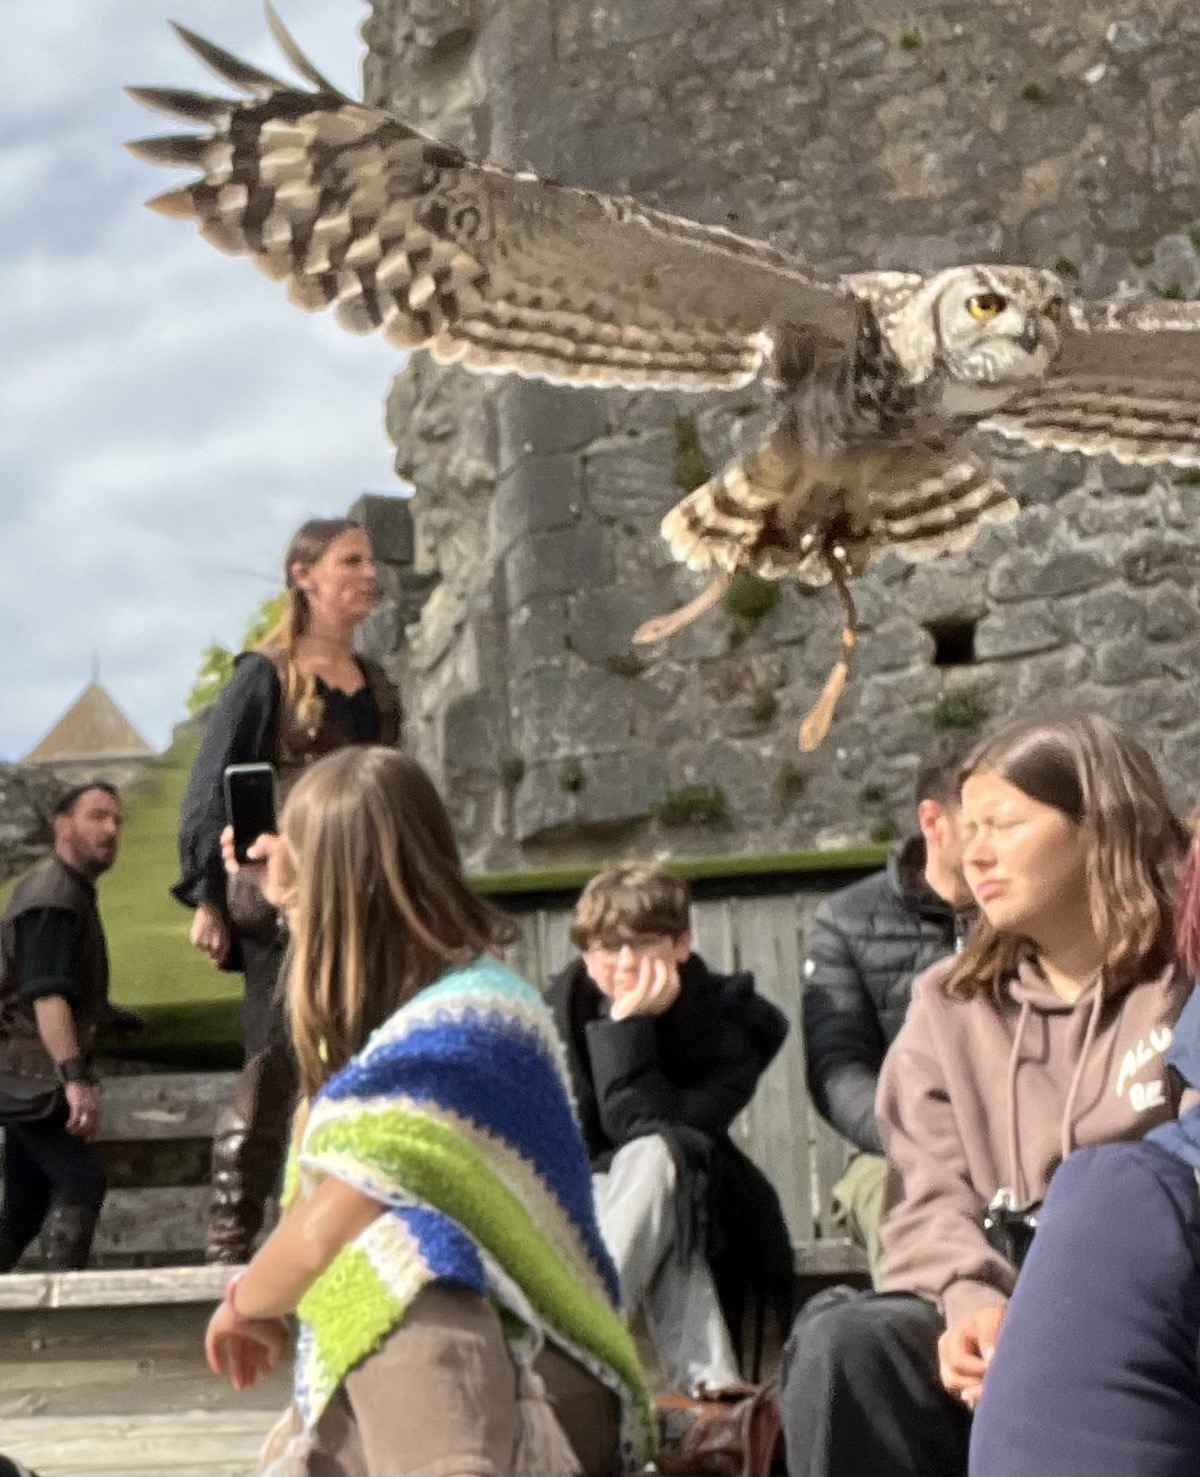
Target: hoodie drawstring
(1016,1178)
(1067,1128)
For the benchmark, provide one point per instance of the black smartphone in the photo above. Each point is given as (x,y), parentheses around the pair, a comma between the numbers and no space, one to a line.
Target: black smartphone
(250,804)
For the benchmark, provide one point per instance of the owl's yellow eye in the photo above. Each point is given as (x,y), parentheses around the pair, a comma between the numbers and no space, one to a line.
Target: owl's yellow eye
(985,305)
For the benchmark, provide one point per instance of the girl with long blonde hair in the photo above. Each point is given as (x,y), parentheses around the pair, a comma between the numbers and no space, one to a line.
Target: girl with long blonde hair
(440,1245)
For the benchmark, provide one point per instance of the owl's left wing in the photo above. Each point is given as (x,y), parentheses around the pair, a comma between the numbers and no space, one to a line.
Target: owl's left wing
(1126,384)
(501,272)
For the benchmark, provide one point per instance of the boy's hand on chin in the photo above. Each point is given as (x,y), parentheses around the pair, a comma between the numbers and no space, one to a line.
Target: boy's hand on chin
(654,991)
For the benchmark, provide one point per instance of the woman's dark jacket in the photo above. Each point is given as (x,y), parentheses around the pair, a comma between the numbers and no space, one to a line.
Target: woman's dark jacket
(686,1075)
(244,727)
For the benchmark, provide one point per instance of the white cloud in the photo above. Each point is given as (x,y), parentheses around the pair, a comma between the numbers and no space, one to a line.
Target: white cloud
(166,417)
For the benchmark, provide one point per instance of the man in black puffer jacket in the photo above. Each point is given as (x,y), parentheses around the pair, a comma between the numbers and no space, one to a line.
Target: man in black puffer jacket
(866,946)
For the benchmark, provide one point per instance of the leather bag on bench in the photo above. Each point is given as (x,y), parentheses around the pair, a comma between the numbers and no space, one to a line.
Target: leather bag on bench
(731,1433)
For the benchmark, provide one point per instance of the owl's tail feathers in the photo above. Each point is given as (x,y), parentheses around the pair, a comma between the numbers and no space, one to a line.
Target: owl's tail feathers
(720,525)
(819,717)
(943,514)
(715,528)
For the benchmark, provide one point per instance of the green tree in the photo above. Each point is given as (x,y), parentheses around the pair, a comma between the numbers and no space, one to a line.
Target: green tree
(216,665)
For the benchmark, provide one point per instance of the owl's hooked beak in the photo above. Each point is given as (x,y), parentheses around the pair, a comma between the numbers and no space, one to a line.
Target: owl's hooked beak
(1030,337)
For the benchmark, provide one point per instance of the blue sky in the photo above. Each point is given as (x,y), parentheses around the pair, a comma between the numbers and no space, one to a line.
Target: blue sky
(166,416)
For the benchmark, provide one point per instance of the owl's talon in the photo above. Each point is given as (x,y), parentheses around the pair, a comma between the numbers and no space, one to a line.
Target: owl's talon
(819,719)
(659,627)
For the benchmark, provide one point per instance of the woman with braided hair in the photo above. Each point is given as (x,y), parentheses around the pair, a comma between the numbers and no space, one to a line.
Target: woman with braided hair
(303,692)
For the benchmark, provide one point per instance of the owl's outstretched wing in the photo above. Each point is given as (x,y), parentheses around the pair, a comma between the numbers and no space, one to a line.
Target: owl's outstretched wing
(499,272)
(1126,384)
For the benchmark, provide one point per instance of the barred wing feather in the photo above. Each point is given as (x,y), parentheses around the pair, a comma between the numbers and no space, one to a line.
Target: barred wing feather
(500,272)
(1126,383)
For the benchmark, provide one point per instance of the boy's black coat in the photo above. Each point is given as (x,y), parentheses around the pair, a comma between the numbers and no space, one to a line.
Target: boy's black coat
(686,1075)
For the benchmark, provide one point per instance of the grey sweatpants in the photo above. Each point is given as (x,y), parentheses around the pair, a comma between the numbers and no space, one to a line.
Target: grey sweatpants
(635,1203)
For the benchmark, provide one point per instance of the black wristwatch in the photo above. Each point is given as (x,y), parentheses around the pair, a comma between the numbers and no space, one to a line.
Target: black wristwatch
(74,1069)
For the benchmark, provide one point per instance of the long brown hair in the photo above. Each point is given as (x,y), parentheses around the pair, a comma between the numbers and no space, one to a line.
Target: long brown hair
(1104,781)
(307,545)
(1187,934)
(381,907)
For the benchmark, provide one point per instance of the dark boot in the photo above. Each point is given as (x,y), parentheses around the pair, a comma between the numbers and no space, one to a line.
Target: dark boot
(10,1254)
(248,1149)
(11,1468)
(66,1238)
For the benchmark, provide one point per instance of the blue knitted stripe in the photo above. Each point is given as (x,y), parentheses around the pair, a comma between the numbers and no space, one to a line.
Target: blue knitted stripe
(512,1090)
(446,1249)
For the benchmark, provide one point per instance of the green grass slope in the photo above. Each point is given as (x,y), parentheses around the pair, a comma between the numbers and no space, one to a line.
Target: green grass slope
(191,1008)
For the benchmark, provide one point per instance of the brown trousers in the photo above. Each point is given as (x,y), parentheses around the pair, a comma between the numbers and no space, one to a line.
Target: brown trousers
(439,1399)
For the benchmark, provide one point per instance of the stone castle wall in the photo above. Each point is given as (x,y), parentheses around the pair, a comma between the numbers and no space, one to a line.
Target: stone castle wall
(857,135)
(28,795)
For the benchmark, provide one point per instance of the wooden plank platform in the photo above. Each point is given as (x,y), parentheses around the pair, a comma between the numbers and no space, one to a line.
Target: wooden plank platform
(104,1372)
(157,1287)
(833,1256)
(161,1216)
(164,1223)
(162,1105)
(195,1444)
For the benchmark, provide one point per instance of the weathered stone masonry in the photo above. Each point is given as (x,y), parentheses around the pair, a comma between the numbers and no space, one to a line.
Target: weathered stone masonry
(856,135)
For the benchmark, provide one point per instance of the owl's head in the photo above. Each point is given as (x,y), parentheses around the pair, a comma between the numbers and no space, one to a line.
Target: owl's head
(987,326)
(998,325)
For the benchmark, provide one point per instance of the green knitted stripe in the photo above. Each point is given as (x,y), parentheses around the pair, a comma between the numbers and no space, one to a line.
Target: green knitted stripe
(438,1165)
(353,1308)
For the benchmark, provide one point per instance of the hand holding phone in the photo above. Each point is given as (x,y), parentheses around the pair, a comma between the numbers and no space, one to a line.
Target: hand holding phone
(269,866)
(250,805)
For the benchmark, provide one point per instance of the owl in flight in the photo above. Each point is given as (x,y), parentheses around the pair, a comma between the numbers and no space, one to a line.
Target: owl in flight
(880,379)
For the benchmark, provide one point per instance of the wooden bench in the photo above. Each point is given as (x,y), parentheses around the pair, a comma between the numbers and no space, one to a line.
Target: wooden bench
(164,1223)
(169,1117)
(155,1136)
(156,1127)
(103,1372)
(748,913)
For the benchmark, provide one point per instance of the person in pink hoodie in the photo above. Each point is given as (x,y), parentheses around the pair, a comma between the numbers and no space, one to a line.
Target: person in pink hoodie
(1045,1033)
(1095,1374)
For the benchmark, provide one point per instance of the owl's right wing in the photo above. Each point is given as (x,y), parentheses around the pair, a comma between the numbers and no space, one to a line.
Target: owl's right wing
(499,272)
(1126,383)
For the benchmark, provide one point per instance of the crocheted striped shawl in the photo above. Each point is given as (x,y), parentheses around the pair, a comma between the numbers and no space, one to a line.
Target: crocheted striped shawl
(457,1115)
